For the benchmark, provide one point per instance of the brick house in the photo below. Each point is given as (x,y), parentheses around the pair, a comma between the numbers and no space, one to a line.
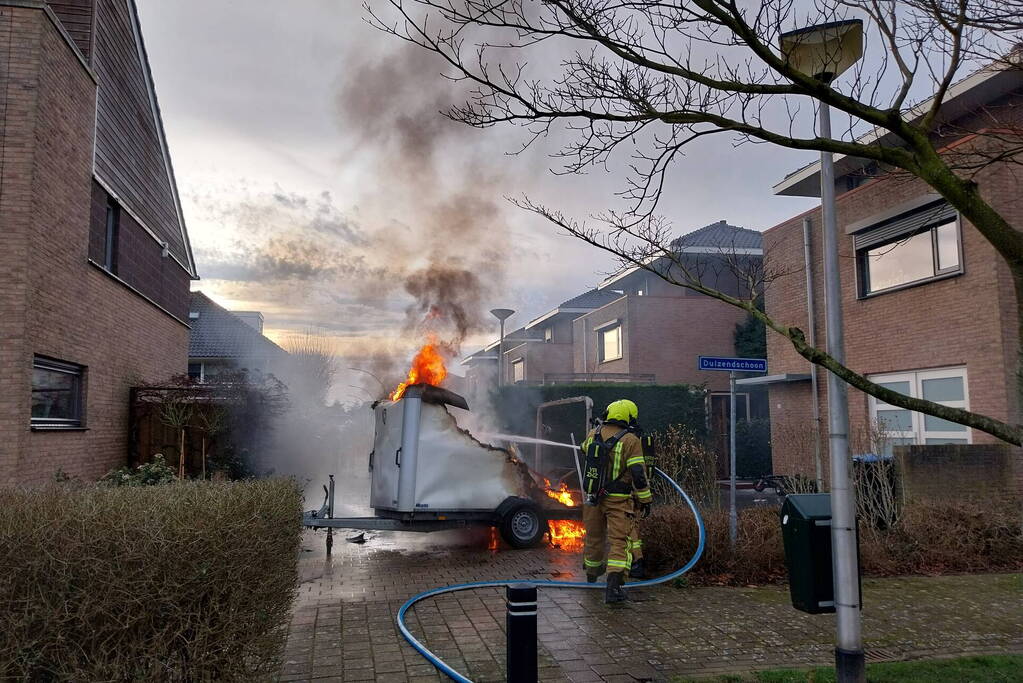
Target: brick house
(929,306)
(656,330)
(95,262)
(635,327)
(221,340)
(543,350)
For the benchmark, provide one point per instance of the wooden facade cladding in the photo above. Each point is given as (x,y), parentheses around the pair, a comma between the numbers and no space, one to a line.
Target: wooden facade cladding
(76,17)
(131,158)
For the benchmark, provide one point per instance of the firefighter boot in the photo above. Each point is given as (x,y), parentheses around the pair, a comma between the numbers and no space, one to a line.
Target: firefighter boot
(614,592)
(638,571)
(593,573)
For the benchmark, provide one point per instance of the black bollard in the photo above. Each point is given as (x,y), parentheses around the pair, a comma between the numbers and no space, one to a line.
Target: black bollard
(521,632)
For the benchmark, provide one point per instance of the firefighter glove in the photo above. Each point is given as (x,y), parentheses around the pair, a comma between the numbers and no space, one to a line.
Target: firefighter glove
(645,509)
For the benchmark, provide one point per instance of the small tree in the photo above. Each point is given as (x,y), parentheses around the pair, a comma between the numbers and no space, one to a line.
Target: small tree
(176,413)
(212,419)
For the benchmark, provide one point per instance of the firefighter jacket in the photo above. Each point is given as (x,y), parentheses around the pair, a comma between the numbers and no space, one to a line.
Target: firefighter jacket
(626,468)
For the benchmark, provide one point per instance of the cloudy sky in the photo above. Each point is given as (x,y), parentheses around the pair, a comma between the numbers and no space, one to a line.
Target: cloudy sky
(318,178)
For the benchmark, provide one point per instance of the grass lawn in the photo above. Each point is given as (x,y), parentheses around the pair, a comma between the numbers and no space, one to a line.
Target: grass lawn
(986,669)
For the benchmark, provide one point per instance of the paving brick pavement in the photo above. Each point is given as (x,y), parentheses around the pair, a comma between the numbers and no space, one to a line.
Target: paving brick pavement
(343,622)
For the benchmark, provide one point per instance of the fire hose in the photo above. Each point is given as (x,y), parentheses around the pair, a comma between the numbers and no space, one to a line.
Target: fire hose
(442,666)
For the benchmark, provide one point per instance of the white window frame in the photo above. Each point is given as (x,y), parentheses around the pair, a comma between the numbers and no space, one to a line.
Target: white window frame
(518,370)
(548,334)
(919,434)
(602,347)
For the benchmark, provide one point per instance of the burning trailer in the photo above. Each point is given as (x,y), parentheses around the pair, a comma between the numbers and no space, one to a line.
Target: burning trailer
(429,474)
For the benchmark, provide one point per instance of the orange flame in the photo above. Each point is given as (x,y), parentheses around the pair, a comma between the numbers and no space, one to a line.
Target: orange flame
(562,495)
(427,368)
(492,544)
(567,534)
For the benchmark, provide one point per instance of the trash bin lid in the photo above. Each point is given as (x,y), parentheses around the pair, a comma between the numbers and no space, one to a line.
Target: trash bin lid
(808,505)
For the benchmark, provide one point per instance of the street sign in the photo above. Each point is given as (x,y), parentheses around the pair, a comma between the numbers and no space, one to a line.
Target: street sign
(733,364)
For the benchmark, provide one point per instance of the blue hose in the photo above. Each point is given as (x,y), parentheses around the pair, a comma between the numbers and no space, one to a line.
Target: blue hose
(454,675)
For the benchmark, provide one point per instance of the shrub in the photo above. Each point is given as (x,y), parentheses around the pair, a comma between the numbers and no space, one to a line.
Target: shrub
(929,538)
(684,457)
(752,448)
(147,474)
(670,536)
(190,581)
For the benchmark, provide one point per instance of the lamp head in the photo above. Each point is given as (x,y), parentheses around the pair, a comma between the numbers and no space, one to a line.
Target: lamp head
(501,314)
(824,51)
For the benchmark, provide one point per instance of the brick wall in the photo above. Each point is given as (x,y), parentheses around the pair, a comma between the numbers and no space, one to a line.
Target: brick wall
(54,302)
(989,473)
(967,320)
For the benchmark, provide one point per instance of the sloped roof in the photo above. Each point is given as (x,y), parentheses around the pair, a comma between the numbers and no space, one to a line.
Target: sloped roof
(717,238)
(964,96)
(595,298)
(720,236)
(218,333)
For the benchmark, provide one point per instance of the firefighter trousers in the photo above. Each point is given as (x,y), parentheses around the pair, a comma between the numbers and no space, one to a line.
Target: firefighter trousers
(609,521)
(635,542)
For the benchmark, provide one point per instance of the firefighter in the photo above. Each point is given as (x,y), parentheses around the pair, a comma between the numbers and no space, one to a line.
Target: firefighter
(638,570)
(614,473)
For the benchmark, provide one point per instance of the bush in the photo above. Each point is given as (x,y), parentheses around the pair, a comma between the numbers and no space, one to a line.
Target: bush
(930,538)
(190,581)
(684,457)
(669,539)
(147,474)
(752,448)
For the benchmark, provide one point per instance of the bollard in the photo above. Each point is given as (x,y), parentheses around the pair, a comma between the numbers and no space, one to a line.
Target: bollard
(521,633)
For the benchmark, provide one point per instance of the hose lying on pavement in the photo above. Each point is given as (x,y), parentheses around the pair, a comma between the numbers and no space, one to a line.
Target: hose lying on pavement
(441,665)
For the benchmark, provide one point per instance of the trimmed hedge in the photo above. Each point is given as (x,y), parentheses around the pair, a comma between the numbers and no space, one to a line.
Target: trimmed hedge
(660,405)
(186,581)
(930,538)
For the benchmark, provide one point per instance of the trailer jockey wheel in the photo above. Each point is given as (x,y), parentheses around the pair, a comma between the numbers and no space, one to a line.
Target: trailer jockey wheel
(522,525)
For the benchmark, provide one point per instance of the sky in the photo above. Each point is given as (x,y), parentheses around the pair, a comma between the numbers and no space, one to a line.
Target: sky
(322,187)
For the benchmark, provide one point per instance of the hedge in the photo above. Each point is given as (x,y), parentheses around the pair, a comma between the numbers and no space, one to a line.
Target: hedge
(660,405)
(930,538)
(184,581)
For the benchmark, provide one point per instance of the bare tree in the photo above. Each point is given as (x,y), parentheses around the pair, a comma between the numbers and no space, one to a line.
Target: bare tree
(644,79)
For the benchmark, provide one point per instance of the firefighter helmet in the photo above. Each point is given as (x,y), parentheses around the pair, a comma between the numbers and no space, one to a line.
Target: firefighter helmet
(623,410)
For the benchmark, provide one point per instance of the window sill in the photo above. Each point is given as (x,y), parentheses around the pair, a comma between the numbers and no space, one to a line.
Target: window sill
(911,285)
(610,360)
(58,428)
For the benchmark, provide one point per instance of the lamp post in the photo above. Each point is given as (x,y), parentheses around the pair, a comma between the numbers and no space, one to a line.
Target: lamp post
(824,52)
(501,314)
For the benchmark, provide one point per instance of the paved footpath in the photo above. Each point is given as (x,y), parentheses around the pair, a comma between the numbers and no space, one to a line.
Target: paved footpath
(343,625)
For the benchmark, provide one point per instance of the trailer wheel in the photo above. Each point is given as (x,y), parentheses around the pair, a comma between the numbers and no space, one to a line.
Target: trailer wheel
(522,525)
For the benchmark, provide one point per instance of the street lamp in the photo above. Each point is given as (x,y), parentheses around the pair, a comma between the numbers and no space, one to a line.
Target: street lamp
(824,52)
(501,314)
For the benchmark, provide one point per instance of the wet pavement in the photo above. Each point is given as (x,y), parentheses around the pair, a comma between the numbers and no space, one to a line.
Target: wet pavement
(343,625)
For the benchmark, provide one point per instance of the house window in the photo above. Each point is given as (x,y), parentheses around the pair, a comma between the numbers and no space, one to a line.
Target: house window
(610,343)
(914,248)
(113,224)
(56,393)
(899,426)
(548,335)
(195,371)
(518,370)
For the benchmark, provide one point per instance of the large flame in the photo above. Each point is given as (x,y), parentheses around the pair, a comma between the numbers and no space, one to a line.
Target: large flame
(427,368)
(567,534)
(562,494)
